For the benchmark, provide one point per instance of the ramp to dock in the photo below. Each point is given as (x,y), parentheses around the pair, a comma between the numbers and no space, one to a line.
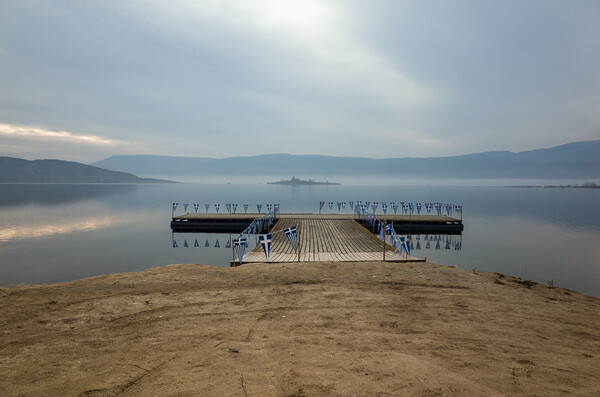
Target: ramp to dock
(341,240)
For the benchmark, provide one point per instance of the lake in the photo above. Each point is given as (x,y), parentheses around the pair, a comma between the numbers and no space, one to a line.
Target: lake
(52,233)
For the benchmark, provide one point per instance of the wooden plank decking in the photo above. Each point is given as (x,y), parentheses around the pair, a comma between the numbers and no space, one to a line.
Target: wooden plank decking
(342,240)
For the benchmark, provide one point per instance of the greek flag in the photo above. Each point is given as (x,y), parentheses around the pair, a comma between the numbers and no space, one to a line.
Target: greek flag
(206,244)
(175,206)
(321,204)
(175,244)
(185,243)
(351,204)
(419,205)
(196,206)
(395,207)
(374,206)
(384,207)
(217,206)
(403,245)
(343,205)
(228,245)
(185,207)
(269,207)
(330,205)
(339,205)
(292,235)
(265,240)
(217,245)
(258,207)
(234,208)
(228,207)
(196,243)
(206,207)
(245,208)
(239,246)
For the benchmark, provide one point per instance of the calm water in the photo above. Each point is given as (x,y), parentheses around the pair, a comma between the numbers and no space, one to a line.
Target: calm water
(51,233)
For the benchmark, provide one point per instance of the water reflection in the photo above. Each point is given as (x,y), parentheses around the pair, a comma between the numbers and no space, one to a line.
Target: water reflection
(51,194)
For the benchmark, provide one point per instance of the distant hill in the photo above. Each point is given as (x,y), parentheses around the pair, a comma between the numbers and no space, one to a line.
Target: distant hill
(573,160)
(13,170)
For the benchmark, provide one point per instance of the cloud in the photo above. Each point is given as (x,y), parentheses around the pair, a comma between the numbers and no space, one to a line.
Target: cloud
(35,133)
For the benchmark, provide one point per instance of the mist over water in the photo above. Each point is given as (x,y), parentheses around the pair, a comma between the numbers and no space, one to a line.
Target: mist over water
(51,233)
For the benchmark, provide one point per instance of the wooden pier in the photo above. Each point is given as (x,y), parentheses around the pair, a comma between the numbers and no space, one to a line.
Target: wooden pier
(325,238)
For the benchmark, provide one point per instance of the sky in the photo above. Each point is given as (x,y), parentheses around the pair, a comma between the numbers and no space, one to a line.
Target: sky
(84,80)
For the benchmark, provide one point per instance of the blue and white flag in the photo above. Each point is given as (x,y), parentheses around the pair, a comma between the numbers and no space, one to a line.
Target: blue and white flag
(419,205)
(395,208)
(384,207)
(374,206)
(258,207)
(206,244)
(265,240)
(217,245)
(245,208)
(175,206)
(239,246)
(343,205)
(217,206)
(185,207)
(321,204)
(196,243)
(404,245)
(292,235)
(330,205)
(269,208)
(351,204)
(185,243)
(228,245)
(234,208)
(228,207)
(175,244)
(196,206)
(339,205)
(206,207)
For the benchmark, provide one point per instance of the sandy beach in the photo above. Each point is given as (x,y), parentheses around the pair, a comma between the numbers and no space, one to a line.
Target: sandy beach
(316,329)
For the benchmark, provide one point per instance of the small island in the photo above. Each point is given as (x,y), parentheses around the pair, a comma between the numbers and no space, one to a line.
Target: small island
(296,182)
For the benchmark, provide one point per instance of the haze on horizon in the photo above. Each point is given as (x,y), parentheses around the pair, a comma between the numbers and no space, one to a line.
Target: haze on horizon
(86,80)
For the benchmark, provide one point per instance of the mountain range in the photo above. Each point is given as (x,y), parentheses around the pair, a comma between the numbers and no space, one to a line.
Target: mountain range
(14,170)
(578,160)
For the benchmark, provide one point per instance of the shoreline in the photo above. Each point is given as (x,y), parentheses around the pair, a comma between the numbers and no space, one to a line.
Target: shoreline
(323,328)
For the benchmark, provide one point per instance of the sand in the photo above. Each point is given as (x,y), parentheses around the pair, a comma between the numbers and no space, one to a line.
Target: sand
(318,329)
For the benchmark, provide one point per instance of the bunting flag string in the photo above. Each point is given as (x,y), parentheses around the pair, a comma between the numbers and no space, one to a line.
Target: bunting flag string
(259,207)
(217,206)
(185,208)
(185,243)
(206,244)
(265,241)
(228,207)
(217,245)
(419,206)
(351,205)
(245,208)
(175,206)
(234,208)
(292,236)
(206,207)
(330,205)
(196,206)
(196,245)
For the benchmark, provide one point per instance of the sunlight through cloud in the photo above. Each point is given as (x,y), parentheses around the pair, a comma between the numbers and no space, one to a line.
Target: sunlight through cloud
(18,132)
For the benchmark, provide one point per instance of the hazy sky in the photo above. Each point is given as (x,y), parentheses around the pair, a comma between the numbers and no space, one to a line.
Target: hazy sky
(83,80)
